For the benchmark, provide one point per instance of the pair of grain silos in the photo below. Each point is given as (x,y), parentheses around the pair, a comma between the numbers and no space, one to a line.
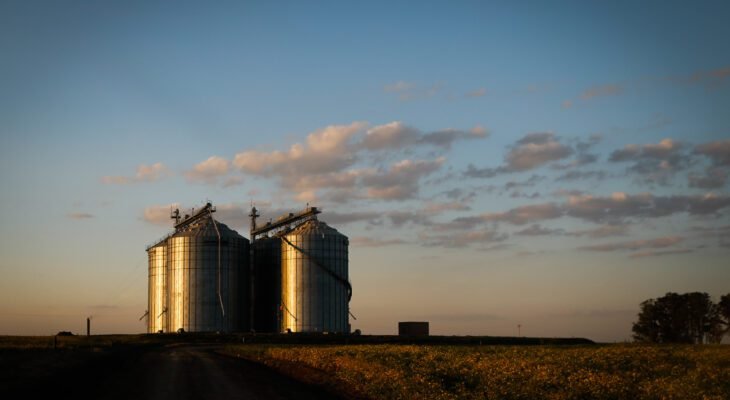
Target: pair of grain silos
(292,276)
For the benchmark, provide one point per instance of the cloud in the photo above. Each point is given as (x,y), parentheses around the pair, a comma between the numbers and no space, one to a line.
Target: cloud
(209,170)
(361,241)
(445,138)
(145,173)
(159,214)
(614,210)
(567,104)
(531,151)
(462,239)
(396,135)
(713,178)
(711,79)
(335,218)
(602,231)
(718,152)
(233,181)
(534,150)
(600,91)
(481,92)
(407,91)
(576,175)
(325,150)
(657,243)
(525,214)
(620,205)
(633,152)
(390,136)
(437,208)
(80,215)
(537,230)
(655,253)
(401,180)
(653,163)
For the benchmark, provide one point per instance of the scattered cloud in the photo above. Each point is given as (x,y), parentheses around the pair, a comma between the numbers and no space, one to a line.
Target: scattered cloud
(537,230)
(657,243)
(80,215)
(711,79)
(576,175)
(718,152)
(482,239)
(534,150)
(567,104)
(653,163)
(159,214)
(209,170)
(525,214)
(390,136)
(396,135)
(481,92)
(400,181)
(407,91)
(361,241)
(145,173)
(655,253)
(602,90)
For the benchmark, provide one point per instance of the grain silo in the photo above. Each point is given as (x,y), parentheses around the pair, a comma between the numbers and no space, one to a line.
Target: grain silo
(266,284)
(199,277)
(157,290)
(315,290)
(301,272)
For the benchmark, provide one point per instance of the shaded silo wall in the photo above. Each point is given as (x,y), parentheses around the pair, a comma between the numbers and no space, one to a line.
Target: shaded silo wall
(266,284)
(193,279)
(156,295)
(314,271)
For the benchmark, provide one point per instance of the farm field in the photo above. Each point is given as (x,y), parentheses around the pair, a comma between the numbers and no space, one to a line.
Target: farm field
(511,372)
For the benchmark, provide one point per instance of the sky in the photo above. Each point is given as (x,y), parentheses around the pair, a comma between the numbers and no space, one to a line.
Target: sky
(494,164)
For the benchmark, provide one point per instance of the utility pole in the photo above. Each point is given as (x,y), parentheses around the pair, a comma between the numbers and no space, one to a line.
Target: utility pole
(519,327)
(88,326)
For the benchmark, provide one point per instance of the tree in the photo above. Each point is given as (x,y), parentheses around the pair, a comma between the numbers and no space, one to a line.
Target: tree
(681,318)
(724,311)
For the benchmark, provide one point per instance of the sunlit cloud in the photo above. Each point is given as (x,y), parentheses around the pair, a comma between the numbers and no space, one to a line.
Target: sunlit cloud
(661,242)
(481,92)
(145,173)
(208,171)
(80,215)
(602,90)
(363,241)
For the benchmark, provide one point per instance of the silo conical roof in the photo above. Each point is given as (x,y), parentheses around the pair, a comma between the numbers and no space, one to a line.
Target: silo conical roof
(314,227)
(204,227)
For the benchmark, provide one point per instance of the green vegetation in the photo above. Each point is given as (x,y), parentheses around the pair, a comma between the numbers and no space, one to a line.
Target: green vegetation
(512,372)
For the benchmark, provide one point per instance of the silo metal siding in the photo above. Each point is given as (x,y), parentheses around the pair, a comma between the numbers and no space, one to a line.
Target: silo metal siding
(157,292)
(193,302)
(312,299)
(267,284)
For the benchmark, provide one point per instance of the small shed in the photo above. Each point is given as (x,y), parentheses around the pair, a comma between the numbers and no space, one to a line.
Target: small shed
(411,328)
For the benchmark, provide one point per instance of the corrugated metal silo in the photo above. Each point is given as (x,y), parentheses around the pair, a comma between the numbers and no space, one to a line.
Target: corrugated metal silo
(157,290)
(267,284)
(208,278)
(315,290)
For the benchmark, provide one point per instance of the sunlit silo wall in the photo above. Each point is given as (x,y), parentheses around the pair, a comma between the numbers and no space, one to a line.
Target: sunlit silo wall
(207,278)
(314,279)
(267,284)
(157,288)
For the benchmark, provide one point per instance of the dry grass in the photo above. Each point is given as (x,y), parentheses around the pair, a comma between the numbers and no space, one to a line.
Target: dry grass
(515,372)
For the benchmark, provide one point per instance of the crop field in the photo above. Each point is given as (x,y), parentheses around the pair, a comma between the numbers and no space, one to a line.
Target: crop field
(512,372)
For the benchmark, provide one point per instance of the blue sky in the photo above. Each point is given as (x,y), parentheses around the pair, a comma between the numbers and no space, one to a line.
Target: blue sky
(547,164)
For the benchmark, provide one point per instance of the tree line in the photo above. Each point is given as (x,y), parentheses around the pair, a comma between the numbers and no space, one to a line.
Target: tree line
(683,318)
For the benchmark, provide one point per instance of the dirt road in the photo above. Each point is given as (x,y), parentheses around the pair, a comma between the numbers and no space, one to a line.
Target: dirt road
(180,373)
